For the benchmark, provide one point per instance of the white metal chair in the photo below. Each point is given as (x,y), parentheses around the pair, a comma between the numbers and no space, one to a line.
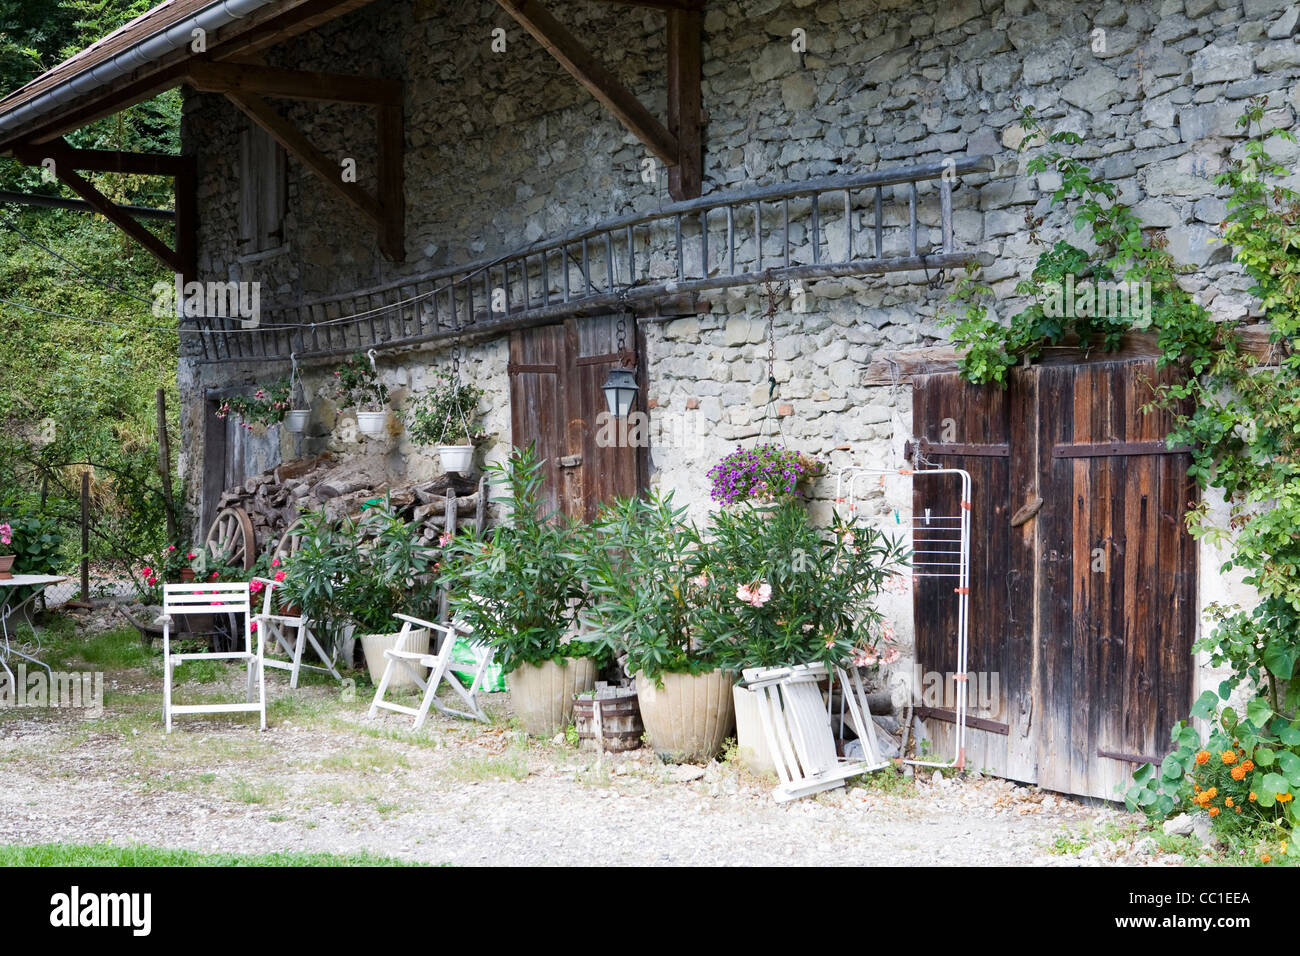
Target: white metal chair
(234,599)
(439,673)
(290,634)
(797,725)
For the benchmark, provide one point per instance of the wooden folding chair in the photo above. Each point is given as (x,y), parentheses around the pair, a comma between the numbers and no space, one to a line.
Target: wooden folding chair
(290,634)
(186,599)
(439,673)
(797,725)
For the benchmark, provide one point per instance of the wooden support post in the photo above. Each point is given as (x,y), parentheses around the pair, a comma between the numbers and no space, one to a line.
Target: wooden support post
(685,107)
(186,233)
(165,466)
(392,182)
(85,537)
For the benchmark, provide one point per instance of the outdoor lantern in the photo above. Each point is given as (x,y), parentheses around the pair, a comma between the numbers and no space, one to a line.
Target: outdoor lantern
(620,391)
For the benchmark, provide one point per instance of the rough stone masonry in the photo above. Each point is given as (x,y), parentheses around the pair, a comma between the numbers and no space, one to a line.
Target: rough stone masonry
(503,148)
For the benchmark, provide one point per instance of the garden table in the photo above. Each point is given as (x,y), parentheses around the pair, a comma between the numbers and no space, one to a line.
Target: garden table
(8,591)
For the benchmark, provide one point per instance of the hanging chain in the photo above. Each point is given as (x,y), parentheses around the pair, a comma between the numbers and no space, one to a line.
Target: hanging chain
(771,292)
(621,331)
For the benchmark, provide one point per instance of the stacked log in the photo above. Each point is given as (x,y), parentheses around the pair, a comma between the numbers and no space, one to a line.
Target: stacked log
(274,499)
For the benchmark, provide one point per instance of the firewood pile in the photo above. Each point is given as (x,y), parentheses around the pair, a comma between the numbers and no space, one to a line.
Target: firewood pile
(274,499)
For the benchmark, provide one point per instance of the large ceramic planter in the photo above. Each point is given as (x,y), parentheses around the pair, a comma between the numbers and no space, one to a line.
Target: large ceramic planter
(7,565)
(457,458)
(542,694)
(374,645)
(689,717)
(372,423)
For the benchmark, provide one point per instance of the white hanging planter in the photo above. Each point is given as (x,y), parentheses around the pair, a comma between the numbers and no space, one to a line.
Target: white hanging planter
(296,420)
(457,458)
(372,423)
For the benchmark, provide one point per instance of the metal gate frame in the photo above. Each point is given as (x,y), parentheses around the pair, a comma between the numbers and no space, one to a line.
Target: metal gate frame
(847,485)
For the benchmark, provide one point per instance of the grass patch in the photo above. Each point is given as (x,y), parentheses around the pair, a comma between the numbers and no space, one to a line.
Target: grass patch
(889,780)
(245,792)
(103,854)
(366,760)
(508,766)
(1066,843)
(203,672)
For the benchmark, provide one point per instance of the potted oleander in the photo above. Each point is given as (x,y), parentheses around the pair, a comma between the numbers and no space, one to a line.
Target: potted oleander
(520,590)
(352,576)
(443,416)
(647,590)
(357,386)
(779,591)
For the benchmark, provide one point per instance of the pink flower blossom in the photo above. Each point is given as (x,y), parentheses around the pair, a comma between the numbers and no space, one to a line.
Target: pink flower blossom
(279,575)
(743,593)
(701,581)
(255,587)
(253,627)
(191,555)
(756,596)
(444,539)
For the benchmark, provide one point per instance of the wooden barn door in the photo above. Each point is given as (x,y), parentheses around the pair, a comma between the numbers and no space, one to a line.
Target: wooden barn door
(1116,601)
(555,400)
(1083,576)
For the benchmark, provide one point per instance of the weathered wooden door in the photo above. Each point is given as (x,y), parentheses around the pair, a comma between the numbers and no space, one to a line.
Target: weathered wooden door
(1088,573)
(555,400)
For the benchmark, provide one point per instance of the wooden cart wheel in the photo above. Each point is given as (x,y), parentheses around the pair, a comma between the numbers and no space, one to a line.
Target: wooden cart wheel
(230,539)
(289,542)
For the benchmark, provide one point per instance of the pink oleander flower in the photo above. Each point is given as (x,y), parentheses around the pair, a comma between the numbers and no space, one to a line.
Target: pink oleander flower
(700,580)
(743,593)
(756,596)
(444,539)
(891,655)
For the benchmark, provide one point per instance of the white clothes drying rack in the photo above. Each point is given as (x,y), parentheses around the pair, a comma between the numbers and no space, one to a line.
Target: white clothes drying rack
(940,549)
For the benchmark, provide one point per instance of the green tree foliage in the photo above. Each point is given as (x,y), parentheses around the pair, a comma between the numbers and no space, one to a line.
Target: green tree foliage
(94,383)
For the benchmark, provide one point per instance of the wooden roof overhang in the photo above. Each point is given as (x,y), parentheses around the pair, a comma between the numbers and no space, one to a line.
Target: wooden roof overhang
(127,67)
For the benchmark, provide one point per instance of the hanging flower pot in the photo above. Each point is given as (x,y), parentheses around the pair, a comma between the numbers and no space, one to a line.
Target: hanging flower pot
(457,458)
(296,420)
(372,423)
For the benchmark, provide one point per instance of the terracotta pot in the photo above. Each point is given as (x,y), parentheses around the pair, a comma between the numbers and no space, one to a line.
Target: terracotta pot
(542,694)
(187,575)
(6,565)
(374,645)
(690,717)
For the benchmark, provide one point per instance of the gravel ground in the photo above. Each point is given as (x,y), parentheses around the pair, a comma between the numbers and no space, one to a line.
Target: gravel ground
(326,778)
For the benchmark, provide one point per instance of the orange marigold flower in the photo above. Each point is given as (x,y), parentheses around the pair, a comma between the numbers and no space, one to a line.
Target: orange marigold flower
(1252,796)
(1248,766)
(1285,797)
(1213,792)
(1196,788)
(1236,809)
(1239,772)
(1264,858)
(1228,756)
(1203,757)
(1227,801)
(1214,811)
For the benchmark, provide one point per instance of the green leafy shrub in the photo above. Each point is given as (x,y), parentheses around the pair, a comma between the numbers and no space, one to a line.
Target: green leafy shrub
(36,537)
(520,588)
(443,414)
(777,590)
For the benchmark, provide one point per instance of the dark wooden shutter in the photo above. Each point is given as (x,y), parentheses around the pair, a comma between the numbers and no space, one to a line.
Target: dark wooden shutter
(262,189)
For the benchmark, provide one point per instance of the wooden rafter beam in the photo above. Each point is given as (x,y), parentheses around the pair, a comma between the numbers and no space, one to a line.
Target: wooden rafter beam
(258,80)
(588,71)
(119,217)
(685,105)
(104,160)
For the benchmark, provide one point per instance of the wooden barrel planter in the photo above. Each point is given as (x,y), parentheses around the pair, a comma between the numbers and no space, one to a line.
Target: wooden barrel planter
(620,728)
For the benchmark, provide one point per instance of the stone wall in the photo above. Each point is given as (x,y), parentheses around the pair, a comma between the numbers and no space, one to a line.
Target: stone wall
(503,148)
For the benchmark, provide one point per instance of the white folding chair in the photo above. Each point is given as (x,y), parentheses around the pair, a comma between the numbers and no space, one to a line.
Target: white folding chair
(439,673)
(290,634)
(234,599)
(797,725)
